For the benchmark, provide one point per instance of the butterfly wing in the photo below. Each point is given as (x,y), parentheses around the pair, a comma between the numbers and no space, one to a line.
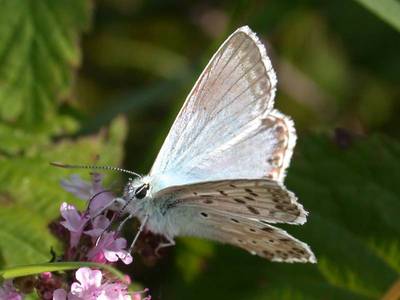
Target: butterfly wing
(260,199)
(237,212)
(254,236)
(227,127)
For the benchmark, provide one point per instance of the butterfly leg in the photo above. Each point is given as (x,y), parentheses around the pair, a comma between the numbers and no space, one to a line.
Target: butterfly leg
(170,243)
(138,233)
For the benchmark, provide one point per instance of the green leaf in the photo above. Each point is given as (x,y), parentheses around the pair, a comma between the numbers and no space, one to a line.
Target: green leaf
(30,193)
(387,10)
(352,194)
(38,49)
(16,140)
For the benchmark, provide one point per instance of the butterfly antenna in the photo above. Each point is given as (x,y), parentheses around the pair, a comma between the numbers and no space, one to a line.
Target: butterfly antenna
(109,168)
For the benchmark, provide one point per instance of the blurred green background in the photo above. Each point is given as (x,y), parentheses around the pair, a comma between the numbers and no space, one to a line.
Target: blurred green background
(85,78)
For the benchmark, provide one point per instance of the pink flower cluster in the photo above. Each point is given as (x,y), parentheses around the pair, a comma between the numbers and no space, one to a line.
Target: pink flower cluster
(101,245)
(106,246)
(87,238)
(91,285)
(8,291)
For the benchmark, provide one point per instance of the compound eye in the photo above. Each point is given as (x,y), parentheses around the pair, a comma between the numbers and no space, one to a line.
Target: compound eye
(141,191)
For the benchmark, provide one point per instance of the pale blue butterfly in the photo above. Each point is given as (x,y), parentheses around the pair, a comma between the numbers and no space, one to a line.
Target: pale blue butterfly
(219,174)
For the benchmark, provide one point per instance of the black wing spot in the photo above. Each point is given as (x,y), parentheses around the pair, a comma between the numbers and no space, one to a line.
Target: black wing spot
(254,242)
(233,186)
(299,250)
(234,220)
(285,240)
(223,193)
(251,192)
(267,229)
(249,198)
(284,255)
(239,200)
(204,214)
(252,230)
(253,210)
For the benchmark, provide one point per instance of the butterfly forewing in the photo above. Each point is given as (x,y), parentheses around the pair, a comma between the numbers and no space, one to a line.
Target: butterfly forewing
(259,199)
(228,116)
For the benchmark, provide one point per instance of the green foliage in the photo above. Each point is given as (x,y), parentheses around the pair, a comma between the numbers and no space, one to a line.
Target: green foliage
(387,10)
(38,49)
(16,140)
(30,193)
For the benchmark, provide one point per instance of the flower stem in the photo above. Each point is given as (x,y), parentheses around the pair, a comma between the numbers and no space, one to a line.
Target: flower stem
(52,267)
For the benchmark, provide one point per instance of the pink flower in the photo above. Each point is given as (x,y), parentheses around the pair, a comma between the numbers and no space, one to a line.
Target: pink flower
(74,222)
(139,295)
(59,294)
(110,249)
(8,292)
(91,287)
(95,192)
(117,291)
(89,284)
(100,224)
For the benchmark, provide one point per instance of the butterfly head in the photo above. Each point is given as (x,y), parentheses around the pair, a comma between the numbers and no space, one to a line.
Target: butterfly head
(138,189)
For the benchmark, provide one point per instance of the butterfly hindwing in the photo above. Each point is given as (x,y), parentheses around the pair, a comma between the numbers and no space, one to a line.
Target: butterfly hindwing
(256,237)
(260,199)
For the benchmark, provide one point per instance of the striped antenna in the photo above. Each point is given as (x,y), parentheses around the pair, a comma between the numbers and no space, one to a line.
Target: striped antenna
(109,168)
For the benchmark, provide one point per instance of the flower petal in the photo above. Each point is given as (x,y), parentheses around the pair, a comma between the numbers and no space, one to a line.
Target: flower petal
(76,186)
(8,292)
(73,220)
(125,257)
(88,278)
(100,224)
(59,294)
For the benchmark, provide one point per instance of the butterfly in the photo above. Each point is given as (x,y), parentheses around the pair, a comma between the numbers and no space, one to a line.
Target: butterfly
(219,174)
